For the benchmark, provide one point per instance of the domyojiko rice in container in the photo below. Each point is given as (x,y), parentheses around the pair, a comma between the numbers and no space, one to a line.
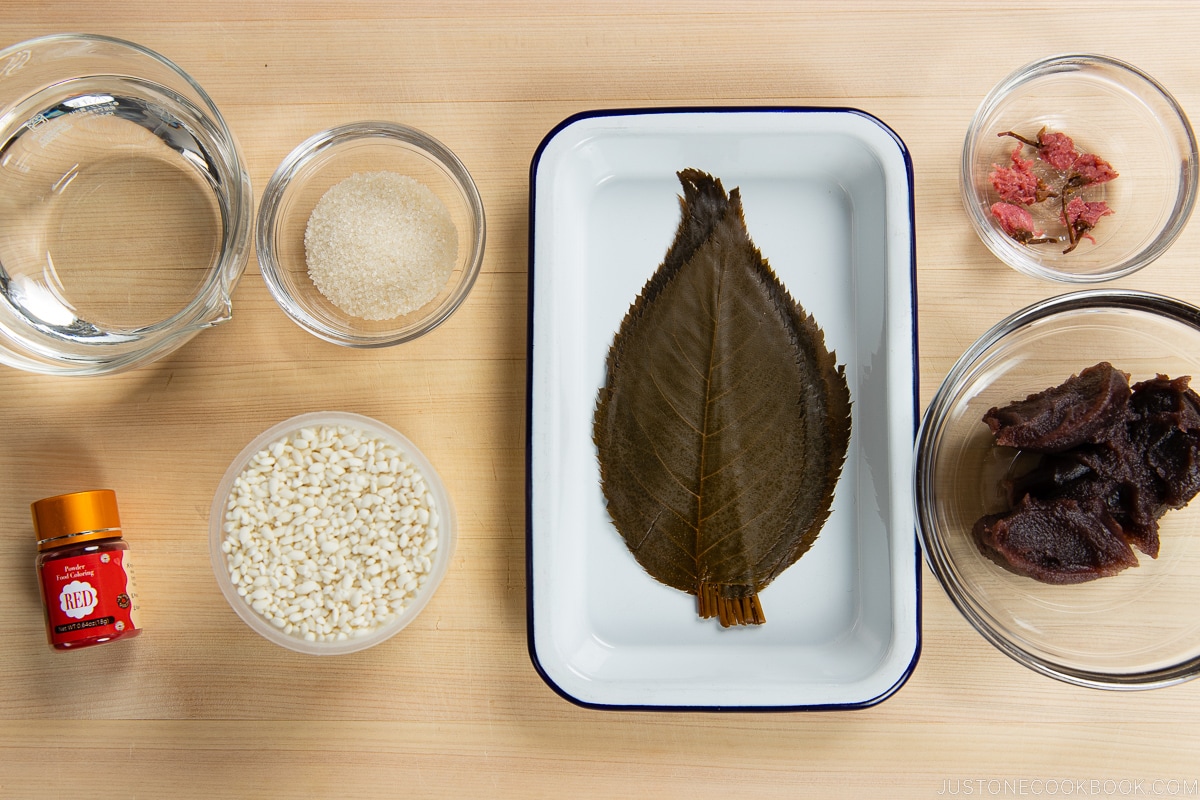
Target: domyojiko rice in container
(329,532)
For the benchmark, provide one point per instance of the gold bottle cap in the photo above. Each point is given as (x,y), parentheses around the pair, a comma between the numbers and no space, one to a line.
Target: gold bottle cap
(76,517)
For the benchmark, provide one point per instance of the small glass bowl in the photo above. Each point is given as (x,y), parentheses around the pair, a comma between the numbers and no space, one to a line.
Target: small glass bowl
(326,159)
(447,533)
(1113,110)
(1137,629)
(125,206)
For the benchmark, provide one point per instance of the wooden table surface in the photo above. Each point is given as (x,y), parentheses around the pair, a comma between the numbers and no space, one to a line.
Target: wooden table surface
(201,707)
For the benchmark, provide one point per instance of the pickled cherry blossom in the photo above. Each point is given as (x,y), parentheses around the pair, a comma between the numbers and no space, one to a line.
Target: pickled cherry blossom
(1068,172)
(1093,169)
(1080,217)
(1089,214)
(1057,150)
(1017,184)
(1017,222)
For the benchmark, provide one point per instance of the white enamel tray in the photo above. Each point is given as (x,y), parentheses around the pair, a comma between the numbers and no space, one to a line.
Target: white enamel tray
(828,199)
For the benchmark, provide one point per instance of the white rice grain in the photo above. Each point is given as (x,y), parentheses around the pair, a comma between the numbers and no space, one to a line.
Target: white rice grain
(327,580)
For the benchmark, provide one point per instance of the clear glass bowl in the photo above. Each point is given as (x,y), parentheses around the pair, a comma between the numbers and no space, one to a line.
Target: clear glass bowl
(1137,629)
(1113,110)
(125,206)
(447,534)
(326,159)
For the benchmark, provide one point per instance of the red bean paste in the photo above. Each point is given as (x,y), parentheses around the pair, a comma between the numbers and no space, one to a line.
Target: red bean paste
(1113,460)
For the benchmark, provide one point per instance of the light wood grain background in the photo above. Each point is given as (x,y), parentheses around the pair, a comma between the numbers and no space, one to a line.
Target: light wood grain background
(201,707)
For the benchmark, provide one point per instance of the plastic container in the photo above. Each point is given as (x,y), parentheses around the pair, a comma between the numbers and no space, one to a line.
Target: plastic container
(441,558)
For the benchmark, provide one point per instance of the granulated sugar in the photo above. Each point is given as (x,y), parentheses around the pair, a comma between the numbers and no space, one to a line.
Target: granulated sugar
(380,245)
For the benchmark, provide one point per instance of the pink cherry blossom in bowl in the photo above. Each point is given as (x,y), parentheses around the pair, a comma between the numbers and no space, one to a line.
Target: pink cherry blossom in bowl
(1079,168)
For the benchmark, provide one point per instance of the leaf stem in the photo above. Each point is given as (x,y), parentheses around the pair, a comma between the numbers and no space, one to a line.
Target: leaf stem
(744,610)
(1020,138)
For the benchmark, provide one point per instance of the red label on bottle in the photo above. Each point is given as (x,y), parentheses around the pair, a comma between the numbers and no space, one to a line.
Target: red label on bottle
(90,596)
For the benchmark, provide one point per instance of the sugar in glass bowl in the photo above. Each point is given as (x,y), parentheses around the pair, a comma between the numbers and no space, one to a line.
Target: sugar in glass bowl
(125,206)
(322,537)
(1136,629)
(1110,109)
(324,161)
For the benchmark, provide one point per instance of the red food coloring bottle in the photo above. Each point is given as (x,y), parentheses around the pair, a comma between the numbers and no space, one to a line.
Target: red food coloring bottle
(84,571)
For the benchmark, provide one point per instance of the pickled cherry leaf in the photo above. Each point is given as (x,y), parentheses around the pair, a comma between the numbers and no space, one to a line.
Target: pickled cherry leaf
(724,420)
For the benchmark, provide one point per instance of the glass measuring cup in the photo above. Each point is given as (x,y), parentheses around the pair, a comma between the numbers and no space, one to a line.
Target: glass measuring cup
(125,206)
